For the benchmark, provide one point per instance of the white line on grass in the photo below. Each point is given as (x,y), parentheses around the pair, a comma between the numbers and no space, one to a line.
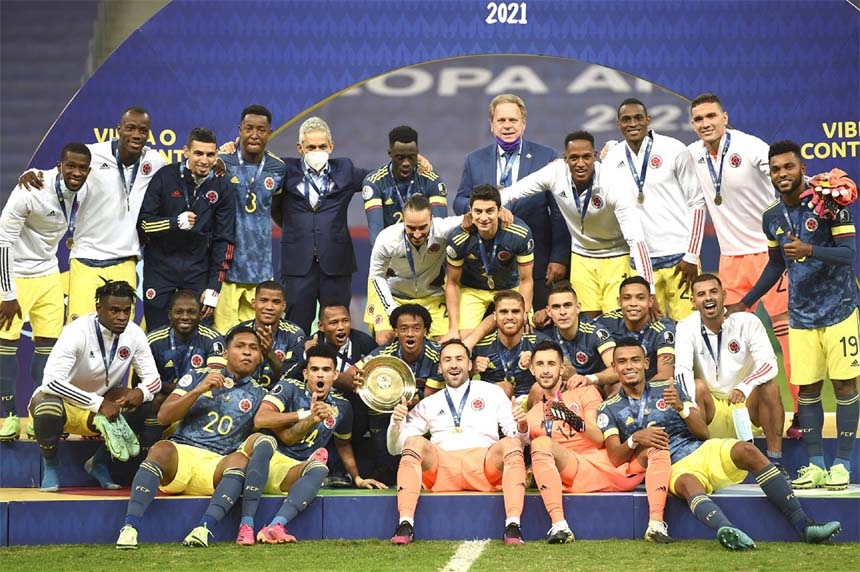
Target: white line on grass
(465,555)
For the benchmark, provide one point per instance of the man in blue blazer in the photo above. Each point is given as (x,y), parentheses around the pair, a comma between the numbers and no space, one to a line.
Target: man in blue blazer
(317,255)
(506,161)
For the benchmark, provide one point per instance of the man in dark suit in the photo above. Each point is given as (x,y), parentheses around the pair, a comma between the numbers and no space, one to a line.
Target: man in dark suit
(317,255)
(503,163)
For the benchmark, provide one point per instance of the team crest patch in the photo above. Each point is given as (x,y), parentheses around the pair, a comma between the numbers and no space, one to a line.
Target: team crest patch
(581,358)
(277,390)
(281,355)
(734,346)
(212,197)
(811,224)
(366,192)
(123,352)
(150,293)
(443,191)
(329,423)
(531,244)
(669,337)
(602,334)
(378,321)
(371,309)
(185,380)
(735,160)
(656,162)
(504,256)
(597,202)
(218,347)
(603,421)
(73,317)
(196,360)
(245,405)
(662,405)
(269,183)
(575,408)
(451,252)
(146,168)
(433,248)
(478,404)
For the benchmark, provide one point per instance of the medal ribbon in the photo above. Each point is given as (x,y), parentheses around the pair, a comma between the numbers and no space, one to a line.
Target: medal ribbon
(411,261)
(717,178)
(309,182)
(396,187)
(639,178)
(547,423)
(488,264)
(179,367)
(507,356)
(189,202)
(581,206)
(458,413)
(508,156)
(707,338)
(249,185)
(642,401)
(113,349)
(127,188)
(71,216)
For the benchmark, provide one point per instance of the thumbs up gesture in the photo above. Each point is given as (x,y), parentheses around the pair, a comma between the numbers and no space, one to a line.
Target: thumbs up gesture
(670,395)
(400,411)
(518,411)
(796,249)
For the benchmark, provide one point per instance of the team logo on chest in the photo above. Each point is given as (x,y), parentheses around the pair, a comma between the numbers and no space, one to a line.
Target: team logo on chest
(150,293)
(245,405)
(123,352)
(735,160)
(478,404)
(329,423)
(269,183)
(597,202)
(581,358)
(811,224)
(575,408)
(433,248)
(212,197)
(280,354)
(196,360)
(146,168)
(656,162)
(504,256)
(734,346)
(661,404)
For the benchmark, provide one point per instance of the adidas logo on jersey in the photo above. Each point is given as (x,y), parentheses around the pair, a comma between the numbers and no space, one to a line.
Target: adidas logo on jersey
(621,164)
(701,161)
(855,363)
(441,412)
(563,194)
(104,166)
(52,213)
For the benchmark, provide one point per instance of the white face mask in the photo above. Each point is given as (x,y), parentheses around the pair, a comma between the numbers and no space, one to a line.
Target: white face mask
(316,160)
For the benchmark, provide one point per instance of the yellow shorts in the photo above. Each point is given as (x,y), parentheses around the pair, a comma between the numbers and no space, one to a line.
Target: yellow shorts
(739,274)
(41,301)
(827,350)
(195,471)
(722,426)
(85,280)
(279,466)
(377,320)
(473,306)
(670,295)
(711,464)
(76,421)
(234,305)
(596,280)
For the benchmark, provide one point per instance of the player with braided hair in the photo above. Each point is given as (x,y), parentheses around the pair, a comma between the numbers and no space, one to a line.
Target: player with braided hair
(568,454)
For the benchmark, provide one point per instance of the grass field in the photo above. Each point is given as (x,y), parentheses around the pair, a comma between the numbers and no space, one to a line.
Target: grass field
(374,555)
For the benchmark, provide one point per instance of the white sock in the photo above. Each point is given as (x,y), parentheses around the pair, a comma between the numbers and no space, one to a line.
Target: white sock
(512,520)
(408,519)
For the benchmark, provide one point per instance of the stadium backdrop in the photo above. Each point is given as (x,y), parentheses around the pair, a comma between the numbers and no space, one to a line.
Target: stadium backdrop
(785,69)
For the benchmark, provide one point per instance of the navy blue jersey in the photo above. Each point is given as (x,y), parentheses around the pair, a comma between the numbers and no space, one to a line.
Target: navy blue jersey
(510,247)
(658,338)
(820,293)
(505,363)
(288,343)
(173,358)
(623,416)
(585,349)
(425,369)
(291,395)
(221,419)
(384,197)
(252,187)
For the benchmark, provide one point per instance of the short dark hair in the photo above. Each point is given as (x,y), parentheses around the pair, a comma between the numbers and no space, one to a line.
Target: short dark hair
(332,304)
(201,134)
(182,294)
(485,193)
(628,342)
(705,98)
(706,277)
(134,109)
(323,351)
(118,288)
(414,310)
(508,295)
(631,101)
(561,287)
(270,285)
(634,280)
(240,329)
(402,134)
(580,135)
(256,110)
(455,342)
(785,146)
(76,148)
(417,202)
(548,345)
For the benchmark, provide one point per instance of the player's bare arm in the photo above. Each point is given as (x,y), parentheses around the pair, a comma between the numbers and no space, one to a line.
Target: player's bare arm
(176,406)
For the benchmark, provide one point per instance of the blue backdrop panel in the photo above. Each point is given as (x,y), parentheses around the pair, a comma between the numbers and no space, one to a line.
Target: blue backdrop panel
(4,524)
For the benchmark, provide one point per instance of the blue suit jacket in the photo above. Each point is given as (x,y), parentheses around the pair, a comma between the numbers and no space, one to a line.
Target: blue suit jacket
(552,241)
(322,232)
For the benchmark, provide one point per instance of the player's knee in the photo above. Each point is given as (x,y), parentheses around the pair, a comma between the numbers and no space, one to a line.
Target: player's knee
(812,389)
(746,456)
(236,461)
(266,444)
(542,444)
(416,444)
(844,387)
(163,453)
(511,445)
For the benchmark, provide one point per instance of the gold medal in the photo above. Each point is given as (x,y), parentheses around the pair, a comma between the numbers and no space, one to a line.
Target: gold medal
(458,429)
(641,197)
(510,379)
(228,383)
(491,283)
(718,200)
(70,242)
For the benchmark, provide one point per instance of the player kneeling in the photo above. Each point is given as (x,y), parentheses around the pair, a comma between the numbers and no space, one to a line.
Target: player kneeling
(568,454)
(464,452)
(646,412)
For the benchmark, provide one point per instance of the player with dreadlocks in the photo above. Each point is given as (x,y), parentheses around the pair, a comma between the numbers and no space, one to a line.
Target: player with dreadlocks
(568,454)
